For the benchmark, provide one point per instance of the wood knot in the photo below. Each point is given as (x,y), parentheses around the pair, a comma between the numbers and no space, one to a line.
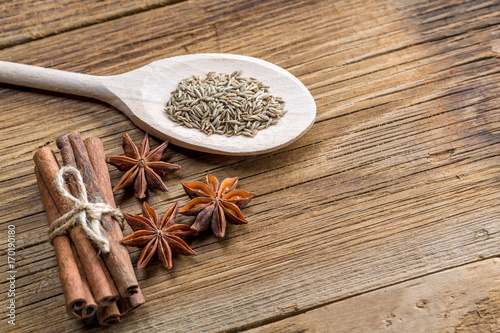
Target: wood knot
(482,234)
(421,303)
(442,155)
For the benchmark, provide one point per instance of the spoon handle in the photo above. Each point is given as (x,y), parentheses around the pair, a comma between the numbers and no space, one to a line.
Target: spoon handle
(53,79)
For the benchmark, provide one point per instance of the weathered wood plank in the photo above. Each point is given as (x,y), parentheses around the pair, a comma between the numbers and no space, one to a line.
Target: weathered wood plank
(23,21)
(398,178)
(462,299)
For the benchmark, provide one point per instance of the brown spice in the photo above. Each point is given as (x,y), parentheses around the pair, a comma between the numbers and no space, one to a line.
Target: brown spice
(215,204)
(157,235)
(117,259)
(143,167)
(127,304)
(74,284)
(98,161)
(102,291)
(108,315)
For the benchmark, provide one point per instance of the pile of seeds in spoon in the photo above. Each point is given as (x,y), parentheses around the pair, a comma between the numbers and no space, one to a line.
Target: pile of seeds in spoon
(226,104)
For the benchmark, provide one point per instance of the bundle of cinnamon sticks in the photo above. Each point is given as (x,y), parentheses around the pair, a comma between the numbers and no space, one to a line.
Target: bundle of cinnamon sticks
(95,285)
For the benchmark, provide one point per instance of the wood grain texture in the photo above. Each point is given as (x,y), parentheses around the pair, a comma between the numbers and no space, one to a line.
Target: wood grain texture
(462,299)
(397,179)
(23,21)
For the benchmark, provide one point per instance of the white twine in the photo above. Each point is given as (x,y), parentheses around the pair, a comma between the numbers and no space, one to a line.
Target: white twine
(84,213)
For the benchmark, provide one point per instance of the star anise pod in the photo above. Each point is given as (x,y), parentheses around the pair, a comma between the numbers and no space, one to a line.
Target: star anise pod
(156,235)
(215,204)
(143,167)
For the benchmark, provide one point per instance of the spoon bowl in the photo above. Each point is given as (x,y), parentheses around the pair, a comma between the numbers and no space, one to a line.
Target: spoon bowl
(142,95)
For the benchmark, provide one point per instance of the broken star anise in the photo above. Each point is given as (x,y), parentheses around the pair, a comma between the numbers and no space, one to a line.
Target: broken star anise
(143,167)
(215,204)
(156,235)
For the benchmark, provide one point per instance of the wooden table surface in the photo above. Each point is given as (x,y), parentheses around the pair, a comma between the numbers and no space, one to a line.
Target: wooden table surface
(383,217)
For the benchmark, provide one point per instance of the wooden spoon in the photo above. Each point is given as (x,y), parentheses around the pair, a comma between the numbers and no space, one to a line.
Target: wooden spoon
(143,93)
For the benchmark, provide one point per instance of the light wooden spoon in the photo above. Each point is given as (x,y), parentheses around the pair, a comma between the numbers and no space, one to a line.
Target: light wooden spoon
(142,95)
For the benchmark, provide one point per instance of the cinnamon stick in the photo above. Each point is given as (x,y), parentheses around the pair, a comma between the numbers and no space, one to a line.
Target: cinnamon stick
(76,294)
(101,290)
(97,157)
(117,259)
(68,158)
(90,308)
(98,160)
(127,304)
(108,315)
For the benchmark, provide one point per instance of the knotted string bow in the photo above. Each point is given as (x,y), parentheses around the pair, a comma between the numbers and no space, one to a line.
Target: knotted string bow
(84,213)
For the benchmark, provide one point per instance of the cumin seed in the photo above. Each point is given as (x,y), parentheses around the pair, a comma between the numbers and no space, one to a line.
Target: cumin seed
(224,104)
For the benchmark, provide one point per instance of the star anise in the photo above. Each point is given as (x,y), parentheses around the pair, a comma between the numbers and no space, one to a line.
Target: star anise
(143,167)
(215,204)
(156,235)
